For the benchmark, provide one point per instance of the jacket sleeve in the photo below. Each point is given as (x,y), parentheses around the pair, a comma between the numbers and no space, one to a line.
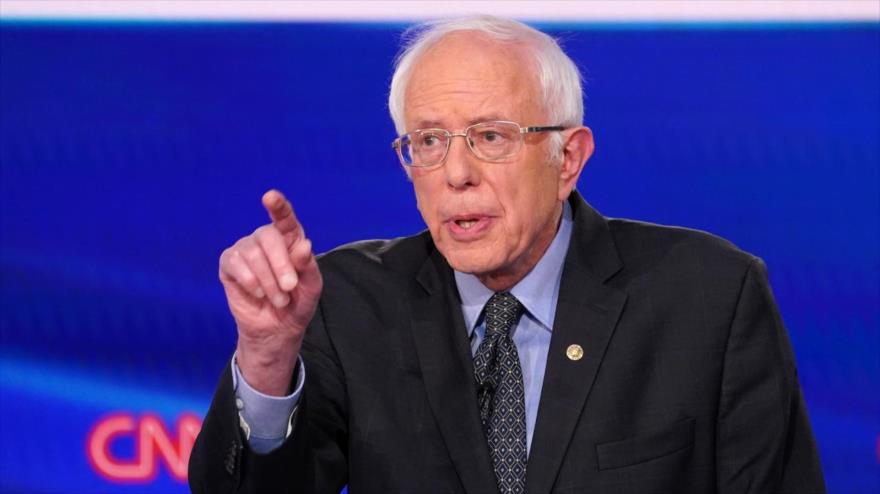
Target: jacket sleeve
(313,459)
(764,441)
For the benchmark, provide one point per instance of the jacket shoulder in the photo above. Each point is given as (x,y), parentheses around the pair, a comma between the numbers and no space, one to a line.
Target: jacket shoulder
(640,243)
(402,255)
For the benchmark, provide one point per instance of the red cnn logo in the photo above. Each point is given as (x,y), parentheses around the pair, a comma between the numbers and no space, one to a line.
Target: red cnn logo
(152,442)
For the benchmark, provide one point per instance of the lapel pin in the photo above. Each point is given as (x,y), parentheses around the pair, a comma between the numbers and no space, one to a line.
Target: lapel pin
(574,352)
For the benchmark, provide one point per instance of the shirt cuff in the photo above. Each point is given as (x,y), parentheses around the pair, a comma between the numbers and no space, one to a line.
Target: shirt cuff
(264,416)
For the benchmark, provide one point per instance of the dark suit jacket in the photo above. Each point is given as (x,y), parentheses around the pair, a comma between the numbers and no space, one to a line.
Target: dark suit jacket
(687,382)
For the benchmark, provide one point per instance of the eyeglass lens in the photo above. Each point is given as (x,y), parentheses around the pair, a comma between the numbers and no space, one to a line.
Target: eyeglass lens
(490,141)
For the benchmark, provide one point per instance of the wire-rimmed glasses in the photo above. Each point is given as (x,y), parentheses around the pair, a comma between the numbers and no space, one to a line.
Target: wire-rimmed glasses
(490,141)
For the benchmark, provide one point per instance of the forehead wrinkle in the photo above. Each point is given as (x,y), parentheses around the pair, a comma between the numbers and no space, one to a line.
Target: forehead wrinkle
(489,102)
(483,109)
(440,89)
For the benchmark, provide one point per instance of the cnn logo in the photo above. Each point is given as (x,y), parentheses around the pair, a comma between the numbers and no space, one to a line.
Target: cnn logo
(153,443)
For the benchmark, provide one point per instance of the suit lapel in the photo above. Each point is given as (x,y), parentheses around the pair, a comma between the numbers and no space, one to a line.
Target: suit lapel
(445,358)
(586,315)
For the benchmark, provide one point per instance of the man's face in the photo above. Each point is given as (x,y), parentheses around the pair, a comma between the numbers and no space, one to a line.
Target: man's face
(492,219)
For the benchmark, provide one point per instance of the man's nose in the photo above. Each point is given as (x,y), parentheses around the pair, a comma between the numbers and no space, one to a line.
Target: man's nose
(461,167)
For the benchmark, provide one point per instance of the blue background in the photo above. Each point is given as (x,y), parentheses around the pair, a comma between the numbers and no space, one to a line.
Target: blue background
(133,153)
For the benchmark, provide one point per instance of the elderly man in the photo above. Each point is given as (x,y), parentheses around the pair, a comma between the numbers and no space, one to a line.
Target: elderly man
(523,343)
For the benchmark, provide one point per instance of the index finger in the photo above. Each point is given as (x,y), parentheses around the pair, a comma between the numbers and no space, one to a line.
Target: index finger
(282,215)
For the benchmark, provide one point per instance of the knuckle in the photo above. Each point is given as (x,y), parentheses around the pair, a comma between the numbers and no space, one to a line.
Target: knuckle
(228,260)
(248,280)
(264,233)
(253,255)
(224,258)
(238,270)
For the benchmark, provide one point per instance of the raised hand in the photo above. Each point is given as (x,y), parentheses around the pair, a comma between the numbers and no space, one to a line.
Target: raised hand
(272,285)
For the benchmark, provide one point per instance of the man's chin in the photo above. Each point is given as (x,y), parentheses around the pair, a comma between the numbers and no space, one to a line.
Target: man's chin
(468,262)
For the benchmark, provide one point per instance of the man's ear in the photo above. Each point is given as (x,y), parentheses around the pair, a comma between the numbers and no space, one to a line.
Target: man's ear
(576,150)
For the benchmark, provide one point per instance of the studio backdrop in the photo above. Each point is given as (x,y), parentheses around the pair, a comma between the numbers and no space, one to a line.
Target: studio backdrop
(133,151)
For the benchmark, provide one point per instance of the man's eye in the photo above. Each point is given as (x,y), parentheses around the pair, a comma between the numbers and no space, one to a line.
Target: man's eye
(491,137)
(430,140)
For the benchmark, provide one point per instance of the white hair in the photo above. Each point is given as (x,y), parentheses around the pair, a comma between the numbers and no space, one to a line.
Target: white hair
(558,76)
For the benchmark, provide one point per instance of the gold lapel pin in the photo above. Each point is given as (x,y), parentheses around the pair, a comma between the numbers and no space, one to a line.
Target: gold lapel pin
(574,352)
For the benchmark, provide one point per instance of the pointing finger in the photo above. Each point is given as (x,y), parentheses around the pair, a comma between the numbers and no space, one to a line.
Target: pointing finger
(282,215)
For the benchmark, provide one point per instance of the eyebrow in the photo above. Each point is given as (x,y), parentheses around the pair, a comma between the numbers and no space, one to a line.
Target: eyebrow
(429,124)
(436,124)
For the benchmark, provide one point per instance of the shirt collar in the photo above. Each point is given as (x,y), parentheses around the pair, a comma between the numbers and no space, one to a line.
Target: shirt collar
(538,291)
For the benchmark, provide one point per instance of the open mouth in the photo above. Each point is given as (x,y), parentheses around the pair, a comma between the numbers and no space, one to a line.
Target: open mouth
(467,228)
(466,224)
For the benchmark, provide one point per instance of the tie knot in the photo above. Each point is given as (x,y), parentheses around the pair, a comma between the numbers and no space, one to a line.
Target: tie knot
(501,313)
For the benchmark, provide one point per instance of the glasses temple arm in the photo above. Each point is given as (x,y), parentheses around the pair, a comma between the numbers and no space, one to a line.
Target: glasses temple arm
(527,130)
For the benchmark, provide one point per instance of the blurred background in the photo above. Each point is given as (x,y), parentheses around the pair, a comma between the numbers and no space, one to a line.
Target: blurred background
(137,137)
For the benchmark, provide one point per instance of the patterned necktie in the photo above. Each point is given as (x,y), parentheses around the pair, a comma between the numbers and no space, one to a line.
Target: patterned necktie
(501,393)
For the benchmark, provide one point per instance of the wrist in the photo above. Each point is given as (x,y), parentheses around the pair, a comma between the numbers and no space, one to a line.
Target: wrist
(267,368)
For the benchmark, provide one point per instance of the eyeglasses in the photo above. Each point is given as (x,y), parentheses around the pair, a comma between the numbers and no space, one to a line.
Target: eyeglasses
(489,141)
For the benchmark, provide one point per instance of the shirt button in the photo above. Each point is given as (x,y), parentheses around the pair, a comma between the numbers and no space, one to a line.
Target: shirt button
(239,404)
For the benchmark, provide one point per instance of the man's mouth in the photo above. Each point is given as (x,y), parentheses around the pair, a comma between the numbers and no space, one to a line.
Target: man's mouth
(468,227)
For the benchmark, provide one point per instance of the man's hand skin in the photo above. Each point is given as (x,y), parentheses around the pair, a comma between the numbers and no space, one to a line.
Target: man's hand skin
(272,285)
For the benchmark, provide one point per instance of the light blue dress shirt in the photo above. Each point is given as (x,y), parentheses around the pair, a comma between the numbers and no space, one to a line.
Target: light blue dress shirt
(266,419)
(538,292)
